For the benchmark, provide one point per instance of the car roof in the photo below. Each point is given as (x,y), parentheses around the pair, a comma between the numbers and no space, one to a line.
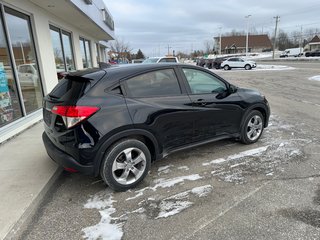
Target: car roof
(126,70)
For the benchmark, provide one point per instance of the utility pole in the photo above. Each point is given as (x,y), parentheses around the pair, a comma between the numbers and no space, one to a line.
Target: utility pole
(300,44)
(220,41)
(247,40)
(275,35)
(169,49)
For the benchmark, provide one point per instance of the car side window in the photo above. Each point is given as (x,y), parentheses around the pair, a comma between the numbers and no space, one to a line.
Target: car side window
(157,83)
(202,82)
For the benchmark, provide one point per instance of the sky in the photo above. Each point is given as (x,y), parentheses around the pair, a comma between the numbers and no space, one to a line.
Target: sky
(185,25)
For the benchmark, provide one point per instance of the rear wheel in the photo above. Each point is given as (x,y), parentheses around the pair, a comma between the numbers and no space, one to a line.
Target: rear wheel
(252,127)
(125,164)
(226,67)
(247,67)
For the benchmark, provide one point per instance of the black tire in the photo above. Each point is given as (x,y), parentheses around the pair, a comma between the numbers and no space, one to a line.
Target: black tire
(247,67)
(252,127)
(226,67)
(112,168)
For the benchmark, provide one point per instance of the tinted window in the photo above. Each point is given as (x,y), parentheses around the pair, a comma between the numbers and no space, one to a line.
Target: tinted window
(156,83)
(69,89)
(202,82)
(168,60)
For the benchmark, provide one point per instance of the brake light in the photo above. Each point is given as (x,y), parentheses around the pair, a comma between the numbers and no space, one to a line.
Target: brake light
(73,115)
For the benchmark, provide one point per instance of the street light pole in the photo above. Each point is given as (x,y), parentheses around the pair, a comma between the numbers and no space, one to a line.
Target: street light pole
(220,41)
(247,40)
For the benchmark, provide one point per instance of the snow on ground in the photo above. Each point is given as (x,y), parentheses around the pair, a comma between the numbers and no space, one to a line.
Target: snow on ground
(184,168)
(264,67)
(251,152)
(279,144)
(164,169)
(174,204)
(165,183)
(104,229)
(315,78)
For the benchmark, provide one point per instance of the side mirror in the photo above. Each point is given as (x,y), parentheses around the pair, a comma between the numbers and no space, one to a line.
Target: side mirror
(232,89)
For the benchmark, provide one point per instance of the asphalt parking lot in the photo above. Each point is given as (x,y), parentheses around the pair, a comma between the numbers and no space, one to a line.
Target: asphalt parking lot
(223,190)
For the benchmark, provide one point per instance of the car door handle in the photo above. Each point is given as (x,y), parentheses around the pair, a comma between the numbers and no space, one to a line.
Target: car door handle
(200,102)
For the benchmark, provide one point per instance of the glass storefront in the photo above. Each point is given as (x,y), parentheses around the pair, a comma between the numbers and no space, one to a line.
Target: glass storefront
(62,49)
(85,53)
(20,87)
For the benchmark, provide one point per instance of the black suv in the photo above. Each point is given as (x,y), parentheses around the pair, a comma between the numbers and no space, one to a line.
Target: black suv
(116,121)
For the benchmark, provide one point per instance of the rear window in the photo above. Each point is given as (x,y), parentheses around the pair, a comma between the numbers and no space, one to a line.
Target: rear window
(168,60)
(157,83)
(68,89)
(75,85)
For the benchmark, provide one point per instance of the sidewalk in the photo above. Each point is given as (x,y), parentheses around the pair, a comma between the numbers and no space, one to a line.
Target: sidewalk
(26,173)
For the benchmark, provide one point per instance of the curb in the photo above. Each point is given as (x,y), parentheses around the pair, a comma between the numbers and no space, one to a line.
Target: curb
(26,217)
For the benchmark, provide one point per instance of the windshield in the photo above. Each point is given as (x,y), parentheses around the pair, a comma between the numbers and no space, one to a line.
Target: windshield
(151,60)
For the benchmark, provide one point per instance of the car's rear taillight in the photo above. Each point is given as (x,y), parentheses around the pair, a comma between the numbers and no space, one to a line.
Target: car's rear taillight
(72,115)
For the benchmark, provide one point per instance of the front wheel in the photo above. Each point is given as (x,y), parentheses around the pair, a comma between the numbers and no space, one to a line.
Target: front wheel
(247,67)
(226,67)
(252,127)
(125,164)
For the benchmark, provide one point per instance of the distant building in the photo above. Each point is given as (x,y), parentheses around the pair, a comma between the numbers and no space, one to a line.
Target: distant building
(314,44)
(39,42)
(237,44)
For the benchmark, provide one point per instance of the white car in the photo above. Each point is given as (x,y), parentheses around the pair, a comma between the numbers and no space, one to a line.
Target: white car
(236,62)
(161,60)
(28,75)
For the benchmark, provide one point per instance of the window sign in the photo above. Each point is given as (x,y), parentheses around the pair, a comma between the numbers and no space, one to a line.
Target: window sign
(6,111)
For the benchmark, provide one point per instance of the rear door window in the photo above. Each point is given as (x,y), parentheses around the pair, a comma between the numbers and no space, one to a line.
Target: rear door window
(156,83)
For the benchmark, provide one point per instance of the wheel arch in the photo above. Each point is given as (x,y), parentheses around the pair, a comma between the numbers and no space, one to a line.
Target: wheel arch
(259,107)
(140,134)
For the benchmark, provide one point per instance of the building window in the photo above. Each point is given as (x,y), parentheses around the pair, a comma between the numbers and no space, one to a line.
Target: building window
(20,85)
(62,49)
(97,48)
(85,53)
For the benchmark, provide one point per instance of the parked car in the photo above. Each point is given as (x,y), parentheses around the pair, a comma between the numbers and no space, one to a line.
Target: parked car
(116,121)
(28,75)
(217,62)
(315,53)
(201,62)
(236,62)
(161,60)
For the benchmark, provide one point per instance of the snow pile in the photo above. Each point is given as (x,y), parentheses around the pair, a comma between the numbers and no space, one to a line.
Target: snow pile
(263,67)
(104,229)
(315,78)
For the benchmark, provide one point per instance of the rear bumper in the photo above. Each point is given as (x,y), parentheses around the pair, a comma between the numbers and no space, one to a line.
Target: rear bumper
(63,159)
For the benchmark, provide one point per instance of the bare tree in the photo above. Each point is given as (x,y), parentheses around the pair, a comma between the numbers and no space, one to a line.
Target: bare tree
(120,48)
(208,44)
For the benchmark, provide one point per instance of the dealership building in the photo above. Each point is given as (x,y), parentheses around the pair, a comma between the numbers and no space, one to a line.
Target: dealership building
(40,40)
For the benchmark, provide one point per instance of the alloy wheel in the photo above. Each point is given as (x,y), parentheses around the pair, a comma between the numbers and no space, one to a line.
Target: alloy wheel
(129,166)
(254,127)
